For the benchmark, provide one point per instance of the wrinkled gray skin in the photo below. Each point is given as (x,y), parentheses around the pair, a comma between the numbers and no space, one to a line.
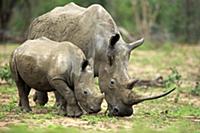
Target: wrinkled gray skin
(93,30)
(46,66)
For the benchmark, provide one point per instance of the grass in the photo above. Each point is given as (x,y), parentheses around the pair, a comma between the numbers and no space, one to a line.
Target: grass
(179,127)
(177,113)
(196,90)
(8,89)
(185,111)
(94,119)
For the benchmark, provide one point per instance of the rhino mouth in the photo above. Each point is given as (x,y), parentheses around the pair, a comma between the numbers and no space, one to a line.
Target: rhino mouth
(93,110)
(120,110)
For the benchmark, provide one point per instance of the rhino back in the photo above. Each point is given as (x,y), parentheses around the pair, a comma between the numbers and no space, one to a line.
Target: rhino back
(55,23)
(85,27)
(70,9)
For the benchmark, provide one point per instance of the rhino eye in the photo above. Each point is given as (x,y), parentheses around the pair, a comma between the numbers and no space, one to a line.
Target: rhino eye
(85,92)
(112,82)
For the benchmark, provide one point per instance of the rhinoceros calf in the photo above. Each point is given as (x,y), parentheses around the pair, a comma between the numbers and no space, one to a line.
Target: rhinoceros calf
(46,66)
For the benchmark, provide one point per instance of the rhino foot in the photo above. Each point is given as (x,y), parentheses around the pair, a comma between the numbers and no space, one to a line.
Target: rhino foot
(26,109)
(62,110)
(74,111)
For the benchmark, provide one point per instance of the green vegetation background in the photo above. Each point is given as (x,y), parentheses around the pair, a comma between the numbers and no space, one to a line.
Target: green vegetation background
(157,20)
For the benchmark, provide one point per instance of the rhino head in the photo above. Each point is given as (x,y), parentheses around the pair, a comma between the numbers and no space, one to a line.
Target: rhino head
(114,80)
(85,89)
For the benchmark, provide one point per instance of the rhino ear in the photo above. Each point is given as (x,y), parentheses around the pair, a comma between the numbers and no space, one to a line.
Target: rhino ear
(111,51)
(114,39)
(85,63)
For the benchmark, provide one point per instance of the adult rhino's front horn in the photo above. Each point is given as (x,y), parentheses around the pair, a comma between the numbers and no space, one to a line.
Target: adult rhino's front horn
(135,44)
(133,98)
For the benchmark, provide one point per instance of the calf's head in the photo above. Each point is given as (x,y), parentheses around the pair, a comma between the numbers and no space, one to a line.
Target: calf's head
(85,89)
(114,80)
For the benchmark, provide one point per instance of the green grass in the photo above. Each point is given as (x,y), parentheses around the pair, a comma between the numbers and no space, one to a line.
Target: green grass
(49,129)
(196,90)
(2,115)
(8,89)
(179,127)
(185,111)
(93,119)
(159,57)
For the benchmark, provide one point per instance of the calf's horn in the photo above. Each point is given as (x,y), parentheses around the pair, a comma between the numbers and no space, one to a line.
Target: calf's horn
(100,98)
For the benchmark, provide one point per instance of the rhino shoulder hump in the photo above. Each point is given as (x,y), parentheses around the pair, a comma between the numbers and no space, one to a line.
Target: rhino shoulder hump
(72,4)
(97,9)
(75,49)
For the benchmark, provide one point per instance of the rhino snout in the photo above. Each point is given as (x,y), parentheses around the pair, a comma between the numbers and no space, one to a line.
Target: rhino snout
(94,109)
(120,111)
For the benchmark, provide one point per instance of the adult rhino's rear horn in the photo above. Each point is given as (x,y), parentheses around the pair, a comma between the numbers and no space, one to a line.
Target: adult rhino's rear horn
(132,83)
(135,44)
(135,99)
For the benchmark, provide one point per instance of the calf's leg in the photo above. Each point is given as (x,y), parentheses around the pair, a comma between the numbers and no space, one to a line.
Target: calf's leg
(23,91)
(72,107)
(41,98)
(62,105)
(59,99)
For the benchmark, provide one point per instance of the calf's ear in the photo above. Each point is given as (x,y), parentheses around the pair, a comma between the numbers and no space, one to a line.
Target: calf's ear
(85,63)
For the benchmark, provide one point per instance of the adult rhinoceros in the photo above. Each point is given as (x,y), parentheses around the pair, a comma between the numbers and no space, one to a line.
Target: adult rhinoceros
(93,30)
(47,65)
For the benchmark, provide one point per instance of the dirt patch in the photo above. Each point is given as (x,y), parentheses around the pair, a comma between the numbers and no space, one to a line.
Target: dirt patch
(189,99)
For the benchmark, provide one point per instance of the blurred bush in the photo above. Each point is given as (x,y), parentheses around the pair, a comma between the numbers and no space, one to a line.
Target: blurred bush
(196,90)
(5,74)
(157,20)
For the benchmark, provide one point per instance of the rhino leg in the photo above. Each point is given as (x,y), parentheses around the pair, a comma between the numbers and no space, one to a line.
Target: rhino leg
(62,105)
(40,98)
(59,99)
(72,107)
(23,91)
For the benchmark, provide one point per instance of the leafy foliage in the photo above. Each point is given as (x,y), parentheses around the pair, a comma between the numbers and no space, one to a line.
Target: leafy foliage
(196,90)
(5,74)
(173,80)
(176,20)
